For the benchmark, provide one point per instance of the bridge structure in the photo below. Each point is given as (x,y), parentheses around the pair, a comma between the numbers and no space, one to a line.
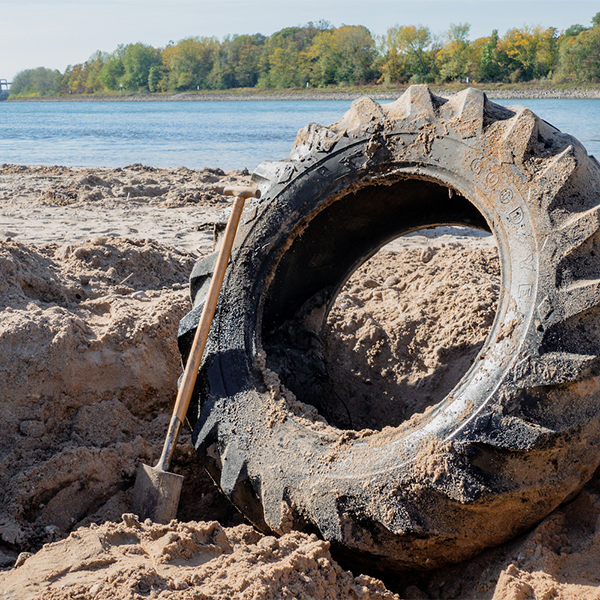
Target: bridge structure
(4,89)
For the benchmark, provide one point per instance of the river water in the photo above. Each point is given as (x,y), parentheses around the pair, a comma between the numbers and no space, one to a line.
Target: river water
(229,134)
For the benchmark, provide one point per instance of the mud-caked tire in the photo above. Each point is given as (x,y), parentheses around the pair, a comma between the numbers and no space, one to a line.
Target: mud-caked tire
(519,433)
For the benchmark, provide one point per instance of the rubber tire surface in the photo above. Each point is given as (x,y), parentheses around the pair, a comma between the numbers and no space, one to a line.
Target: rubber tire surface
(516,437)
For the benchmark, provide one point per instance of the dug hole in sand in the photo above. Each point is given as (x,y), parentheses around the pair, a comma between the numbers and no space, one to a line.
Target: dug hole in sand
(93,282)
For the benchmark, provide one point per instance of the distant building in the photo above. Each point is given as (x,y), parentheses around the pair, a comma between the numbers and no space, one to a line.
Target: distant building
(4,89)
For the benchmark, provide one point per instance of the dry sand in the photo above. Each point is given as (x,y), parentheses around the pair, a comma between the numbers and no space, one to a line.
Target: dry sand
(93,272)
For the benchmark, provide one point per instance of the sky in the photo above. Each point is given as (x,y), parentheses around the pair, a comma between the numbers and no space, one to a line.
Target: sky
(58,33)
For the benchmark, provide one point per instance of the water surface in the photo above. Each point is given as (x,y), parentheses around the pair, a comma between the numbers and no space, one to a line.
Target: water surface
(226,134)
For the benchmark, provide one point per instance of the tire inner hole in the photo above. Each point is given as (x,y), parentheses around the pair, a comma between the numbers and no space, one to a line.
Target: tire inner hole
(407,325)
(399,334)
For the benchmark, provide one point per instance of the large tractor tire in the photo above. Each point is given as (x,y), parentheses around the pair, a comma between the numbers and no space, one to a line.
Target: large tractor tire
(516,437)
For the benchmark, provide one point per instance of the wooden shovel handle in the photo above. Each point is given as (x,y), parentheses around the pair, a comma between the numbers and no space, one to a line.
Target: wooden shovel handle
(234,190)
(184,394)
(193,364)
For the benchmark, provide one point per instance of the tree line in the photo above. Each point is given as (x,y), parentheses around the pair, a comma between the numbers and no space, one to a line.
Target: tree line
(320,55)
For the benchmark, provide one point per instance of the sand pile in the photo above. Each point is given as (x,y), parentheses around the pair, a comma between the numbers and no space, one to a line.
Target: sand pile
(405,329)
(56,204)
(167,188)
(89,367)
(186,560)
(557,560)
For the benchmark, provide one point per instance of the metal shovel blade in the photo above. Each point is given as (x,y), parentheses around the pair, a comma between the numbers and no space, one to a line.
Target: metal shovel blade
(156,494)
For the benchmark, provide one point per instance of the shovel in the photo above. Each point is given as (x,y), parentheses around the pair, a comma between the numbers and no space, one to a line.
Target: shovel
(156,492)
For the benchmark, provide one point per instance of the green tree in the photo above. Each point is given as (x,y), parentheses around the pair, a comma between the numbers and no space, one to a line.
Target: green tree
(93,67)
(579,54)
(406,54)
(344,55)
(574,31)
(455,57)
(491,63)
(239,60)
(285,61)
(531,52)
(157,79)
(85,78)
(36,82)
(190,63)
(358,52)
(138,59)
(579,57)
(112,70)
(73,80)
(325,57)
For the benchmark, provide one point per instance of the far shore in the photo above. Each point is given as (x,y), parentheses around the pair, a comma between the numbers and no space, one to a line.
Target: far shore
(501,93)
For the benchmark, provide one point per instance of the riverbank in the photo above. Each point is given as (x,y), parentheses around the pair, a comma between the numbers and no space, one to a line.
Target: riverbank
(500,92)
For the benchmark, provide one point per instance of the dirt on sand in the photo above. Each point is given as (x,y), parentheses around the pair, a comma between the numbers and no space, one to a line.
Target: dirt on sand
(93,282)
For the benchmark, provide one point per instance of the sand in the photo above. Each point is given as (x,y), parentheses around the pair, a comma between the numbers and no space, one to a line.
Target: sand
(93,273)
(500,91)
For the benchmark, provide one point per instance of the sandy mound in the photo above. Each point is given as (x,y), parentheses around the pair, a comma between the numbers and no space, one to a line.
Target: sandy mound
(89,367)
(63,186)
(557,560)
(186,560)
(56,204)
